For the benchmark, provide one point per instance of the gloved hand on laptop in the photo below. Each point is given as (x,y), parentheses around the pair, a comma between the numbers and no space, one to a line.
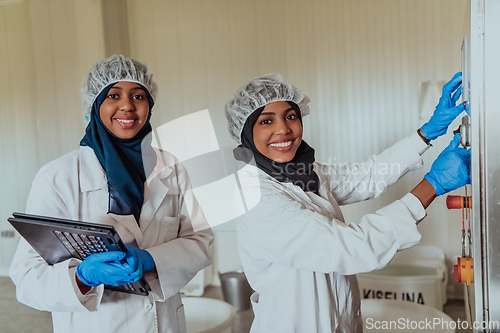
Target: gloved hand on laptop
(109,268)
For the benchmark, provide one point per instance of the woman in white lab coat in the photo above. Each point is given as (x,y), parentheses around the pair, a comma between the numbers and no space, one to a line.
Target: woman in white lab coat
(298,253)
(117,178)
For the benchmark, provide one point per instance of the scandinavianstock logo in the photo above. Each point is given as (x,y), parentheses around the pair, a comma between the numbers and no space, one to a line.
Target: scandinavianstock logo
(216,177)
(226,188)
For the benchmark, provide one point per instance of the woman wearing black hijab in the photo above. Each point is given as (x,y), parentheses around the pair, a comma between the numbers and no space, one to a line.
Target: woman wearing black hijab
(298,253)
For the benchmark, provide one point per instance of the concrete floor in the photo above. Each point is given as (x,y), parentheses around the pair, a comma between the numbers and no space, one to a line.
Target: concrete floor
(18,318)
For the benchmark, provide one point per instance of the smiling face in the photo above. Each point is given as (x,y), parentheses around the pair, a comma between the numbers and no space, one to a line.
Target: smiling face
(125,109)
(277,133)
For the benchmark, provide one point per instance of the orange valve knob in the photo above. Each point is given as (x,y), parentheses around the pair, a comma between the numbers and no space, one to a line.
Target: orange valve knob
(464,270)
(457,202)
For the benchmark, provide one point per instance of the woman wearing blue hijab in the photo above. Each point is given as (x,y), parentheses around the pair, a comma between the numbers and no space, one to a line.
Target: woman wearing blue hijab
(116,177)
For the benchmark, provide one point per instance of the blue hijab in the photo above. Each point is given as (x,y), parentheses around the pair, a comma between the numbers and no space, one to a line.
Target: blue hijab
(125,164)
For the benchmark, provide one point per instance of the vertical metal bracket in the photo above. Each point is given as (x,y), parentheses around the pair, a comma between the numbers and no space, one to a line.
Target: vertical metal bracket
(480,22)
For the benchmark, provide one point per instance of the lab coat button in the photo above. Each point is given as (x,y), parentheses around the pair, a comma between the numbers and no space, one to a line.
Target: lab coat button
(148,307)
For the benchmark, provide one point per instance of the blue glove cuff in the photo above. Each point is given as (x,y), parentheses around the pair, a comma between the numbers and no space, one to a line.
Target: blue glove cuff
(85,281)
(438,188)
(144,257)
(148,263)
(429,134)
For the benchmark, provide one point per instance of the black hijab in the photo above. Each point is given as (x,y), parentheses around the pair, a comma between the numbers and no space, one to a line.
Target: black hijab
(299,171)
(122,159)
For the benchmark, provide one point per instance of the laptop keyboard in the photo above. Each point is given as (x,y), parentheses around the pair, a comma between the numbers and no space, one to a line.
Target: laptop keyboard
(81,246)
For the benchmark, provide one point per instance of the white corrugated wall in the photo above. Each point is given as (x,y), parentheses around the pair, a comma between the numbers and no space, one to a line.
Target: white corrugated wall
(360,61)
(46,49)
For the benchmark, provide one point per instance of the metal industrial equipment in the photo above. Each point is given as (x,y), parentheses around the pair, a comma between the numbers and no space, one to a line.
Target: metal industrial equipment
(483,30)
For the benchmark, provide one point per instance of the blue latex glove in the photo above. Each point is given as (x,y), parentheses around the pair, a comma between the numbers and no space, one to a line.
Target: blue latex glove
(445,111)
(451,168)
(142,256)
(109,268)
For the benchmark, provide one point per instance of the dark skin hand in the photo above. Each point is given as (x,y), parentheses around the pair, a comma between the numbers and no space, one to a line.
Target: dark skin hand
(424,192)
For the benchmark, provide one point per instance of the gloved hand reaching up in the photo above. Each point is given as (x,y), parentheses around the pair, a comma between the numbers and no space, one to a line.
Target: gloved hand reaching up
(142,256)
(451,169)
(109,268)
(445,111)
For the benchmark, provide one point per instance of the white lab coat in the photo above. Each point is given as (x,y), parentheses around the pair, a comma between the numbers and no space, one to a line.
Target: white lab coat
(300,256)
(75,187)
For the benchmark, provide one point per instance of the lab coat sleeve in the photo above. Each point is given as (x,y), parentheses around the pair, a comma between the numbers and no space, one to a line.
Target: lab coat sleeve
(356,182)
(178,260)
(42,286)
(281,230)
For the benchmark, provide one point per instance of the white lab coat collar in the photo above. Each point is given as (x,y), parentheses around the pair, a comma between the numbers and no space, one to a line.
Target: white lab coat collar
(323,203)
(156,184)
(162,169)
(93,177)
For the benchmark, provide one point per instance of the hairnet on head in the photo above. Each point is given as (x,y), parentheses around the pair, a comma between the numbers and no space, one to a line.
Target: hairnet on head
(259,92)
(111,70)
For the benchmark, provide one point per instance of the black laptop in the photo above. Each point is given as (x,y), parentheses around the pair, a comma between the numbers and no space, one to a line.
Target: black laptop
(57,239)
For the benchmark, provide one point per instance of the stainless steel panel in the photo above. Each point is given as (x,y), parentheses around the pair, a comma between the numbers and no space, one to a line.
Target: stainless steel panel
(477,165)
(485,69)
(492,155)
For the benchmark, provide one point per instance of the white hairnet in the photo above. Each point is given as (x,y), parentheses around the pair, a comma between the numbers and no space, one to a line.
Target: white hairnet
(258,92)
(111,70)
